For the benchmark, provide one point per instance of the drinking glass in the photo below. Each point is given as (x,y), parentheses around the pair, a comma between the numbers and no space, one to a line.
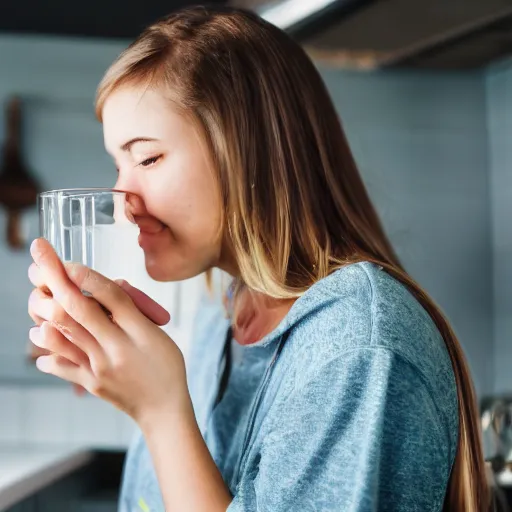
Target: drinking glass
(96,227)
(93,227)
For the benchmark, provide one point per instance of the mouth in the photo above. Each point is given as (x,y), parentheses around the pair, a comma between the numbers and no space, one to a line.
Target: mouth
(149,225)
(150,230)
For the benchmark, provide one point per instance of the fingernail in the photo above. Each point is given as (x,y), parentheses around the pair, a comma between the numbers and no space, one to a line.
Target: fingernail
(43,363)
(35,336)
(35,251)
(122,283)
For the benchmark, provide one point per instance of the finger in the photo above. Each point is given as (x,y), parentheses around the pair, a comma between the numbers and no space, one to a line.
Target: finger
(37,308)
(34,352)
(68,294)
(36,278)
(146,305)
(64,369)
(110,295)
(49,338)
(43,308)
(35,318)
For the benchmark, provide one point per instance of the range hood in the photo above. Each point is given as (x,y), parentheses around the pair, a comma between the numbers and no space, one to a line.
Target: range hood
(357,34)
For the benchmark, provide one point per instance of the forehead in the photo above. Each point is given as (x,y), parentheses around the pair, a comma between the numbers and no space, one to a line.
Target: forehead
(131,112)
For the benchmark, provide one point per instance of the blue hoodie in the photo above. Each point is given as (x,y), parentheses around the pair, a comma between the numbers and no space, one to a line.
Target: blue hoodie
(350,404)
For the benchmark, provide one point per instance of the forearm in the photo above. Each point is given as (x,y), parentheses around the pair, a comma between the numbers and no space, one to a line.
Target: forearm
(188,477)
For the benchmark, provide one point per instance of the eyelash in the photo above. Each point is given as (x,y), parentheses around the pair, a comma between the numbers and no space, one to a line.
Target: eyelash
(150,161)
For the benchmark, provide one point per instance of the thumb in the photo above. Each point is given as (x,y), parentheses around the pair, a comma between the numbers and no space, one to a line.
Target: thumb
(145,303)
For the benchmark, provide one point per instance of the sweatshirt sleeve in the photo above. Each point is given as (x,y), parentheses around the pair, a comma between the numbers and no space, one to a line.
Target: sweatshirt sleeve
(363,434)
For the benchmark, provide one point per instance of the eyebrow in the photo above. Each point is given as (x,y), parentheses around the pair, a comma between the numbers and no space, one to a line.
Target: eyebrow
(127,146)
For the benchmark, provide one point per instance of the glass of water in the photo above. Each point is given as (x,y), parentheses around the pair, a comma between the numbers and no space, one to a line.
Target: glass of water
(93,227)
(96,227)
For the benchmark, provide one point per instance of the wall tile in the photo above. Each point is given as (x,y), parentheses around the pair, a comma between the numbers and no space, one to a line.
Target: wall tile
(47,415)
(94,422)
(11,414)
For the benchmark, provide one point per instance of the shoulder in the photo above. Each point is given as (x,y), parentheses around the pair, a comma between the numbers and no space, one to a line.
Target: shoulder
(362,320)
(361,306)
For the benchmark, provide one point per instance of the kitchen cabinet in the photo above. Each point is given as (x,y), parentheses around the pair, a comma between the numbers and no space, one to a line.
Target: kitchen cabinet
(92,488)
(28,505)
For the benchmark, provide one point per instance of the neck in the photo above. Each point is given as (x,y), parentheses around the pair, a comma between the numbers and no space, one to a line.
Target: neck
(257,315)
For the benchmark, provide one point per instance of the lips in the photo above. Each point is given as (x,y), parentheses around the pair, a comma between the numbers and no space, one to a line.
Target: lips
(149,225)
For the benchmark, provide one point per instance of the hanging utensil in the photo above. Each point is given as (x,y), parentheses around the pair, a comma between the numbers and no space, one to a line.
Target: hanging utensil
(18,189)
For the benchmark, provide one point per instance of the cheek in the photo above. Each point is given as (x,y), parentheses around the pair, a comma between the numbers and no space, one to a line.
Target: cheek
(190,207)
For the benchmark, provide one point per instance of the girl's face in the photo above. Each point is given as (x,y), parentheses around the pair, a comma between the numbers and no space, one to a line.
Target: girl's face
(160,158)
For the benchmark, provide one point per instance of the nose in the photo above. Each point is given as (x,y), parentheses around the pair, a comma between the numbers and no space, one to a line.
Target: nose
(124,185)
(134,205)
(127,181)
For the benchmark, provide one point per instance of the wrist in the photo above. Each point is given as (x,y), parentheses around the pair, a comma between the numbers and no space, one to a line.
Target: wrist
(167,417)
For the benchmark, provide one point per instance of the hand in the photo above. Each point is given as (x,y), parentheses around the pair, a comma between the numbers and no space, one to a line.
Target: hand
(34,352)
(125,358)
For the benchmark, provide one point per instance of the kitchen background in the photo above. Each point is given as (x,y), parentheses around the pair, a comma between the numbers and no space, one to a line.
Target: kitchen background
(431,131)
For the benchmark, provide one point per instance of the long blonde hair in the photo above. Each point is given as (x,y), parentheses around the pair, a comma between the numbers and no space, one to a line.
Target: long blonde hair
(295,207)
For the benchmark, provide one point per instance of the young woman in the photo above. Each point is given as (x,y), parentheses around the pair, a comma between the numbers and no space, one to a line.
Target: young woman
(336,384)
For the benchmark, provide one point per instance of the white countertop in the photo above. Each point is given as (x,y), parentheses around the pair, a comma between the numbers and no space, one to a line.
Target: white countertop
(25,470)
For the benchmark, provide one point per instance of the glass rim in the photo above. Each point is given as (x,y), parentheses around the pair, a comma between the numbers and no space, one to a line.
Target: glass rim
(81,192)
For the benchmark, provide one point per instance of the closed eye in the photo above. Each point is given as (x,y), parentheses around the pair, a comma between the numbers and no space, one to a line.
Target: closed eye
(150,161)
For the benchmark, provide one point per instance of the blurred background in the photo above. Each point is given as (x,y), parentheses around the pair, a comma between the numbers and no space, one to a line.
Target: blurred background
(424,90)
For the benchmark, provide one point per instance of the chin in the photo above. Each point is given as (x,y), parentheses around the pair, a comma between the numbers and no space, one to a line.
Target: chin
(160,270)
(159,274)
